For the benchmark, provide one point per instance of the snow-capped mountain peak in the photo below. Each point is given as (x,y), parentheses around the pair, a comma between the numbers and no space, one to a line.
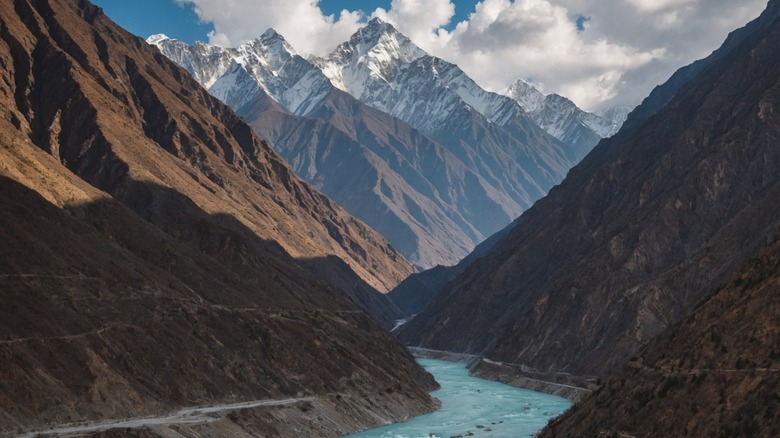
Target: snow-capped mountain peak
(271,34)
(275,45)
(377,50)
(379,38)
(157,38)
(235,75)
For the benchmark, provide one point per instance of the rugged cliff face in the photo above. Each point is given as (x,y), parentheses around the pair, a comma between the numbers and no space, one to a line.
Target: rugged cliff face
(717,373)
(648,225)
(156,254)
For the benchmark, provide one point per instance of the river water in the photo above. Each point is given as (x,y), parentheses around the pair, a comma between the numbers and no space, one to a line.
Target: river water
(471,405)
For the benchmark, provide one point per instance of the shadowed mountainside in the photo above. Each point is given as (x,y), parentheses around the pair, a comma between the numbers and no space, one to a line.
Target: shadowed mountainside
(717,373)
(156,254)
(417,291)
(643,229)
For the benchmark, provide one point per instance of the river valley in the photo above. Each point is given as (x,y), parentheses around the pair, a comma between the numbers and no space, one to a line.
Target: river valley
(475,407)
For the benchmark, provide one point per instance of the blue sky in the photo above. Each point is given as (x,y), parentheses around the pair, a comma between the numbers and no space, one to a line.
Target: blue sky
(598,53)
(148,17)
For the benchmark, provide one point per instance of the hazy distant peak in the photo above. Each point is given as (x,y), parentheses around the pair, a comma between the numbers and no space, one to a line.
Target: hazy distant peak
(526,95)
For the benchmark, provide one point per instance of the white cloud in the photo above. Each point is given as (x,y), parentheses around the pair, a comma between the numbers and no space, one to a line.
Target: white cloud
(657,5)
(686,30)
(301,22)
(626,48)
(418,19)
(504,40)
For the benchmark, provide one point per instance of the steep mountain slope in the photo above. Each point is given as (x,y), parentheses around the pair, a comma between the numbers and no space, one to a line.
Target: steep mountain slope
(715,374)
(562,119)
(645,227)
(486,131)
(418,290)
(400,182)
(157,254)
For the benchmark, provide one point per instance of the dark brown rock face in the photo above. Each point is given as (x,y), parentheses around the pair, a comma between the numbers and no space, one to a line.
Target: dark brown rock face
(717,373)
(155,254)
(417,291)
(648,225)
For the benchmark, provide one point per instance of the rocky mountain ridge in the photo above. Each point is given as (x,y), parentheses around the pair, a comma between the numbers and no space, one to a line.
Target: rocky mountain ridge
(384,69)
(390,187)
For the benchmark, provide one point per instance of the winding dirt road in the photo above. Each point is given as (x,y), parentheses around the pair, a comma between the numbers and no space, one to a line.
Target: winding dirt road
(191,415)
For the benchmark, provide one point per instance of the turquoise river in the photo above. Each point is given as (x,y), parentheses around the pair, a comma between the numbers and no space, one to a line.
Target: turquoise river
(475,407)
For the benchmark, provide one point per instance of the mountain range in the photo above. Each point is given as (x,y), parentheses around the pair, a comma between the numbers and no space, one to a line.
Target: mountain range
(403,140)
(157,255)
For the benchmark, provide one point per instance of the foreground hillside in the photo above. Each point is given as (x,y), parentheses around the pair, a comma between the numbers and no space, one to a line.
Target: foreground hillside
(645,227)
(157,255)
(715,374)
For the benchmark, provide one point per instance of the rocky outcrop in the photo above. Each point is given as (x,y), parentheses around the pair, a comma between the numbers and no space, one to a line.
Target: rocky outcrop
(157,254)
(643,229)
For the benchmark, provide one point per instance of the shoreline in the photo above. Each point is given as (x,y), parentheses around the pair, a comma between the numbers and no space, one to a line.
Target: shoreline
(572,388)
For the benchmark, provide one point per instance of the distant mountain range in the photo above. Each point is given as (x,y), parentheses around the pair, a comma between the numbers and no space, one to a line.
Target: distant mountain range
(403,140)
(562,119)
